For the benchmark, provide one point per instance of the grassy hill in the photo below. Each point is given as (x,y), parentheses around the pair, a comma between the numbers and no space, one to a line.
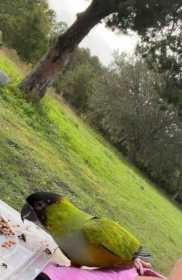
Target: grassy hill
(43,146)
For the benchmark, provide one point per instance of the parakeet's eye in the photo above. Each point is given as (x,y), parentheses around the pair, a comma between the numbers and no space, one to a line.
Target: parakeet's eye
(39,205)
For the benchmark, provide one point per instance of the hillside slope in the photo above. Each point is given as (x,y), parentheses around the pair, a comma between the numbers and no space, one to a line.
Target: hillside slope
(42,147)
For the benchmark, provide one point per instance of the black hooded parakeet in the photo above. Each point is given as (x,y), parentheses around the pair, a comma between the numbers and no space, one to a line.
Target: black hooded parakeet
(84,239)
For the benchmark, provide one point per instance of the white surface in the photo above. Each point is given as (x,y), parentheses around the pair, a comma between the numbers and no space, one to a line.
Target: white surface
(25,260)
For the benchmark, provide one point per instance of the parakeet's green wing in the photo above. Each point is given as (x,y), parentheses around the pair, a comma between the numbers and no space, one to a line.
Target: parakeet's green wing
(104,232)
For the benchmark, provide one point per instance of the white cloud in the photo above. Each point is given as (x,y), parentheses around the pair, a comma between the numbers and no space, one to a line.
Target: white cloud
(101,41)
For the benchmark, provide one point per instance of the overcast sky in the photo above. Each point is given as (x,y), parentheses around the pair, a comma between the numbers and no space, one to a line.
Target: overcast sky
(101,41)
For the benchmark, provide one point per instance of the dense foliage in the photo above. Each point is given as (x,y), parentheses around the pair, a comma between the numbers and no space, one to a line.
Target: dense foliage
(142,16)
(26,27)
(162,51)
(77,83)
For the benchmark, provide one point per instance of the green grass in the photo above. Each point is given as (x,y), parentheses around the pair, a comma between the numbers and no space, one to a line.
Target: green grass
(42,147)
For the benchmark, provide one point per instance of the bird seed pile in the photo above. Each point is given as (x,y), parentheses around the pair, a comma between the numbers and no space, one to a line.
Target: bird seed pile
(5,228)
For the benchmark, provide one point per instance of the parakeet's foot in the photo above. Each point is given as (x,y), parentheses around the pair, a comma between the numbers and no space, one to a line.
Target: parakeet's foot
(140,265)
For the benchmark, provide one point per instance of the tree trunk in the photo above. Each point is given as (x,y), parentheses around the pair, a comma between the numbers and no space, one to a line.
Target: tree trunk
(179,189)
(35,84)
(177,194)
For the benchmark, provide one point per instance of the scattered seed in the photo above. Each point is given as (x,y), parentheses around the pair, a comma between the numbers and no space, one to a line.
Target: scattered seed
(8,244)
(4,265)
(5,228)
(48,251)
(22,237)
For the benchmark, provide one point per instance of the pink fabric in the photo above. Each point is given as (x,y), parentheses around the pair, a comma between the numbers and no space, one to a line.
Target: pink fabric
(56,272)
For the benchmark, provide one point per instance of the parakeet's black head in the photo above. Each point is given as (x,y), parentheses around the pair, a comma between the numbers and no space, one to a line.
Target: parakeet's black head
(37,203)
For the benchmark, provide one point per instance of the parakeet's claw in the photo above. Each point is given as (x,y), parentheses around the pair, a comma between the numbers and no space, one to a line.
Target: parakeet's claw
(140,265)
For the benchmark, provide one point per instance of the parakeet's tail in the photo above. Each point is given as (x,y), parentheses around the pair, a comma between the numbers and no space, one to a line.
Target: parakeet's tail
(143,254)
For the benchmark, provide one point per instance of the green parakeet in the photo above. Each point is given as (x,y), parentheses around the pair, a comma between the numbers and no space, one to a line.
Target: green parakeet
(84,239)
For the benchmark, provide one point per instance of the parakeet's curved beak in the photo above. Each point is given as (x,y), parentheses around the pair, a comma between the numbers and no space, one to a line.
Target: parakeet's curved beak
(28,213)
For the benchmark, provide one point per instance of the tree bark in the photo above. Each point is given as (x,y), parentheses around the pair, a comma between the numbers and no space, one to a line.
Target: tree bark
(45,72)
(177,194)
